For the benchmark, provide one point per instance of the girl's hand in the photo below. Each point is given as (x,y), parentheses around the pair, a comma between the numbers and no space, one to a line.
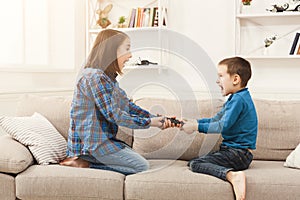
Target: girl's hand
(190,126)
(159,122)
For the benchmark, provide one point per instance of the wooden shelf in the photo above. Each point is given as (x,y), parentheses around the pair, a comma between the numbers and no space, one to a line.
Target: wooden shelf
(269,15)
(272,57)
(97,30)
(142,67)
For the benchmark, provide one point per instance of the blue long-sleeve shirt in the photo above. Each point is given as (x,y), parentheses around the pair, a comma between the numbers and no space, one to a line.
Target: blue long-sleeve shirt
(237,122)
(99,106)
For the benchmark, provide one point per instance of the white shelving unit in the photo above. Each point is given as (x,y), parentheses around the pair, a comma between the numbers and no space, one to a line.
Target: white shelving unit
(137,35)
(253,27)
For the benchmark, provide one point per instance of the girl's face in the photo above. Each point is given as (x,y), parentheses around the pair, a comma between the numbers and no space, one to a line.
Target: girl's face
(229,84)
(123,53)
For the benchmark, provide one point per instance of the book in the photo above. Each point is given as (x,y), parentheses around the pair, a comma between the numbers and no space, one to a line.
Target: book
(155,16)
(132,18)
(297,50)
(145,18)
(165,16)
(295,42)
(136,17)
(151,17)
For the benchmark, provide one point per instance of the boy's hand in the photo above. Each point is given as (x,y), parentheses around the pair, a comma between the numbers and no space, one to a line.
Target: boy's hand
(190,126)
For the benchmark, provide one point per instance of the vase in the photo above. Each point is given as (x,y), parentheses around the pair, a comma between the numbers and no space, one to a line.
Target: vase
(246,9)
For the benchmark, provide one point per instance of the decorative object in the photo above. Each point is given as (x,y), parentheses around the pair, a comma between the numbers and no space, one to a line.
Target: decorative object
(269,40)
(121,23)
(279,8)
(45,143)
(246,2)
(245,7)
(294,5)
(103,20)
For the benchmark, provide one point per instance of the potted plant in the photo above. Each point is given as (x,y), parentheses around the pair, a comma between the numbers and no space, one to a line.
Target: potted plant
(246,2)
(121,23)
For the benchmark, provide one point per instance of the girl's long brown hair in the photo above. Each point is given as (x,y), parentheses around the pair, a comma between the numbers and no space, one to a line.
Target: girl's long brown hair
(104,52)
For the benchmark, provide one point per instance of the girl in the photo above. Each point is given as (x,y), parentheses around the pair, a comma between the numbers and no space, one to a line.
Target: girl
(99,106)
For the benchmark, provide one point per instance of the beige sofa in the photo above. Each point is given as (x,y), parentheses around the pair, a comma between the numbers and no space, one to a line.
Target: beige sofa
(167,151)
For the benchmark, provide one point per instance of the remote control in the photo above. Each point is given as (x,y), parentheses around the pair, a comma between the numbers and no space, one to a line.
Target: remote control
(173,121)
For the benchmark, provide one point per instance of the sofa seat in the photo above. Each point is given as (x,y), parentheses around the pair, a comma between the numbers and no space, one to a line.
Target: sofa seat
(68,183)
(174,180)
(7,189)
(270,180)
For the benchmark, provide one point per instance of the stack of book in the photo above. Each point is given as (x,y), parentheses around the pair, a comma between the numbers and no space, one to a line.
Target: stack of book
(146,17)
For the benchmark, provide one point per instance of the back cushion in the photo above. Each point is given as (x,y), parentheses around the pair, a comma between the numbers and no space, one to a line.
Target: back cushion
(57,110)
(172,143)
(278,129)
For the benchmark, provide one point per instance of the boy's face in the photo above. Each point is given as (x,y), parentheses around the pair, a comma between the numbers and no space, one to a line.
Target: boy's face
(229,84)
(123,53)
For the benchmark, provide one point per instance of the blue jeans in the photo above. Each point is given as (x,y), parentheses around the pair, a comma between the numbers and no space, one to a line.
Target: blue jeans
(125,161)
(220,162)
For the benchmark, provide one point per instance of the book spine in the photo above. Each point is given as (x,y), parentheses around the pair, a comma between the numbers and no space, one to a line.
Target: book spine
(132,18)
(294,45)
(155,17)
(297,52)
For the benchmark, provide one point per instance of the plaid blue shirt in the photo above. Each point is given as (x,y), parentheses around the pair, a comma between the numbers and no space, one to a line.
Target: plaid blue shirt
(99,106)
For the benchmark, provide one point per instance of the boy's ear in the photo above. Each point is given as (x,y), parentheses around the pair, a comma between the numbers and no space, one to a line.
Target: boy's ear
(236,79)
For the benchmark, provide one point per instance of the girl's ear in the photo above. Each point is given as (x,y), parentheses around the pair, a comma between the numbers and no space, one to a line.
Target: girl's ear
(236,79)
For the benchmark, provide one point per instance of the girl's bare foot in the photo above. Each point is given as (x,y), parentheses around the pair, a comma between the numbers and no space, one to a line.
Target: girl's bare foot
(75,162)
(238,181)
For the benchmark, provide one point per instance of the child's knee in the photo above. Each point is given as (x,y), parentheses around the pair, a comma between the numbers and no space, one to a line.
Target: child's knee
(142,166)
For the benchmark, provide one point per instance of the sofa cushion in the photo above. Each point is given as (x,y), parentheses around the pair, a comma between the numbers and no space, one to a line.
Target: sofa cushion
(293,160)
(55,109)
(61,182)
(173,180)
(278,128)
(7,187)
(14,157)
(270,180)
(172,143)
(36,132)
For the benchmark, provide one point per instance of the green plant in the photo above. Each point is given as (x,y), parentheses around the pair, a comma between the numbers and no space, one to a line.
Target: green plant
(122,20)
(246,2)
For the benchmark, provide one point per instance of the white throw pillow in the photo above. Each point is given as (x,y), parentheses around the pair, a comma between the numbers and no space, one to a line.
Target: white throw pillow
(293,160)
(46,144)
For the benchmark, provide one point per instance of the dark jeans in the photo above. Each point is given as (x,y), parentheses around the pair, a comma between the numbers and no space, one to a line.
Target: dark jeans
(220,162)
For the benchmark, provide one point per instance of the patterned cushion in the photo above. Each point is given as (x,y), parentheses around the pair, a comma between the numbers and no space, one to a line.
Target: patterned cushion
(46,144)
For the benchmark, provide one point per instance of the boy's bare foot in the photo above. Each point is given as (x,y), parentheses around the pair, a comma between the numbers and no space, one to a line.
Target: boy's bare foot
(75,162)
(238,181)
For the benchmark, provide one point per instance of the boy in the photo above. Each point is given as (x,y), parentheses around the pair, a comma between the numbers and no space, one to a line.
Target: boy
(237,122)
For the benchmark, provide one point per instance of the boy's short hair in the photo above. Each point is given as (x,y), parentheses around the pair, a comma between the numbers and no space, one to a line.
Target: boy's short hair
(240,66)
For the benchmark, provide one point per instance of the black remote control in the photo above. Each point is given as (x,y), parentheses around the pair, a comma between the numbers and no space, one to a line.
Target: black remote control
(175,121)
